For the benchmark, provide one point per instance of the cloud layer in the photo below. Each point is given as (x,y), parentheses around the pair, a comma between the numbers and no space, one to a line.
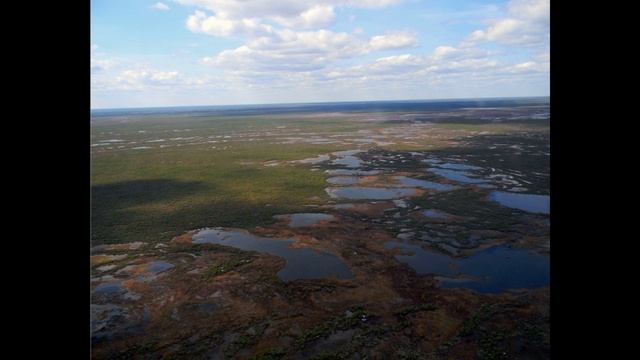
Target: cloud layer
(288,48)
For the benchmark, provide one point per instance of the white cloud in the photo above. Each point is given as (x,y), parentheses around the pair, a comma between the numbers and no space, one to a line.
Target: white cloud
(160,6)
(543,57)
(536,65)
(293,14)
(444,59)
(526,66)
(199,22)
(315,59)
(386,67)
(161,76)
(285,35)
(269,9)
(534,10)
(452,53)
(371,3)
(98,61)
(244,58)
(313,17)
(393,41)
(101,64)
(142,78)
(287,53)
(526,24)
(294,51)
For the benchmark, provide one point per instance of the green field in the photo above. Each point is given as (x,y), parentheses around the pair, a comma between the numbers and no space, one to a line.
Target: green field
(151,195)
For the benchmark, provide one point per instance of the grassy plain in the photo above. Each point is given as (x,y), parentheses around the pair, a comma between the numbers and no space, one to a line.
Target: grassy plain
(151,195)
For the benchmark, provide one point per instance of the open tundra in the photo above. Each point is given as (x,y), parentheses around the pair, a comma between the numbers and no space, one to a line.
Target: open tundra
(328,231)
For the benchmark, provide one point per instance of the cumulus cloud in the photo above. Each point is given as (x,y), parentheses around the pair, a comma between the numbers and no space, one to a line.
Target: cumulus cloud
(215,25)
(98,65)
(286,35)
(160,6)
(244,58)
(163,76)
(310,58)
(526,24)
(289,50)
(444,59)
(236,17)
(141,78)
(389,66)
(420,72)
(393,41)
(313,17)
(98,61)
(535,65)
(303,13)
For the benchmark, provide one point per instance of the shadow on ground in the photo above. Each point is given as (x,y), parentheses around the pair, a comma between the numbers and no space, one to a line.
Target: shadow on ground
(155,210)
(111,205)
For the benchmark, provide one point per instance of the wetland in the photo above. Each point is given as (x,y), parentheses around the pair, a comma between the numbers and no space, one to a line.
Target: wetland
(416,230)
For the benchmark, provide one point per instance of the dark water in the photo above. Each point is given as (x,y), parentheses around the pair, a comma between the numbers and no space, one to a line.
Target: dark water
(429,185)
(454,166)
(159,266)
(492,270)
(343,206)
(348,161)
(435,214)
(302,263)
(346,158)
(371,193)
(525,202)
(109,288)
(343,180)
(457,175)
(305,219)
(352,172)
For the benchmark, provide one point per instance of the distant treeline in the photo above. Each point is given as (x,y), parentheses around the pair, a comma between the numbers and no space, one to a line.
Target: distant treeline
(355,106)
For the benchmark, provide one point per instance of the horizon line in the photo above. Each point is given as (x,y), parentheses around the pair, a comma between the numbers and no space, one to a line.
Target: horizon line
(320,102)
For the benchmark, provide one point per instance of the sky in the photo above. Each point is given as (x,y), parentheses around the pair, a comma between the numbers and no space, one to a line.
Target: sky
(226,52)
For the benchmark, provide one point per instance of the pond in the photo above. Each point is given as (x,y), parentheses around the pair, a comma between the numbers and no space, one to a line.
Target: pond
(457,175)
(347,159)
(343,180)
(305,219)
(525,202)
(352,172)
(372,193)
(492,270)
(303,263)
(429,185)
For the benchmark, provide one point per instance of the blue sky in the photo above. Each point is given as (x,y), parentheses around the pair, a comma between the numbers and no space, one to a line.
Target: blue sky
(215,52)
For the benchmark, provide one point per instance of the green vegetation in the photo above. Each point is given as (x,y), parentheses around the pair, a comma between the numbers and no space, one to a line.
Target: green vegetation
(472,324)
(471,203)
(231,264)
(340,322)
(219,178)
(403,314)
(512,126)
(273,354)
(243,341)
(489,346)
(532,332)
(151,196)
(409,354)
